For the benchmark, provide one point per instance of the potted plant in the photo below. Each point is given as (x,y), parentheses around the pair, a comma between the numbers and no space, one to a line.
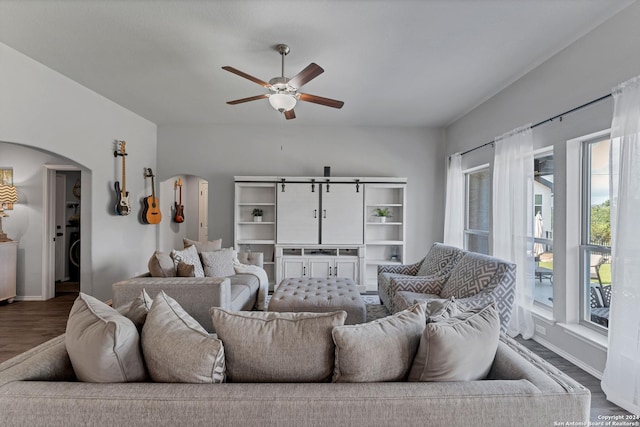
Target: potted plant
(383,213)
(257,215)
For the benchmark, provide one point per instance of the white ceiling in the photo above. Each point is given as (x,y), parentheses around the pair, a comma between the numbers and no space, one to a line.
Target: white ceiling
(393,62)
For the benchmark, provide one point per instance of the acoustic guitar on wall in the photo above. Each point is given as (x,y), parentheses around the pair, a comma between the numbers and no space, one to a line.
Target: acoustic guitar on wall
(122,195)
(179,216)
(151,211)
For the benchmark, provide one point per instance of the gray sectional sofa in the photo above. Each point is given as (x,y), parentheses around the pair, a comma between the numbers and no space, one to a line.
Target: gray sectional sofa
(38,388)
(197,294)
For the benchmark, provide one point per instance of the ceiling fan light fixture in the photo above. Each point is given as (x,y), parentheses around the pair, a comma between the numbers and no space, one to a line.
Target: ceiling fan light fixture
(282,102)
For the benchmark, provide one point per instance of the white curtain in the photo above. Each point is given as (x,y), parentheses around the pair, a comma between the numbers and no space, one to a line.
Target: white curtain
(454,203)
(621,381)
(513,220)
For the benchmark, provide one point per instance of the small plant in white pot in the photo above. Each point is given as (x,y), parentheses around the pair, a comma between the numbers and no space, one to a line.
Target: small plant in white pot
(383,214)
(257,215)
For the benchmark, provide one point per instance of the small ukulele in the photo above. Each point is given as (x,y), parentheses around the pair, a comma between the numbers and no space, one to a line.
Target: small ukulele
(151,212)
(179,216)
(122,205)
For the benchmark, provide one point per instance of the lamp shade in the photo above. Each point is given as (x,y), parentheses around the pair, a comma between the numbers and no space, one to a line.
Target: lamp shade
(8,194)
(282,102)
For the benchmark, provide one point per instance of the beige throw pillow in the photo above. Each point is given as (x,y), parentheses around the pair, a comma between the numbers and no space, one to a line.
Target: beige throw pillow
(186,270)
(161,265)
(177,349)
(103,345)
(218,263)
(382,350)
(277,347)
(210,246)
(188,256)
(460,348)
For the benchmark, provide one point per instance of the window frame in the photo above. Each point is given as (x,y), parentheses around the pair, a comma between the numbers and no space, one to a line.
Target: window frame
(538,153)
(467,232)
(585,246)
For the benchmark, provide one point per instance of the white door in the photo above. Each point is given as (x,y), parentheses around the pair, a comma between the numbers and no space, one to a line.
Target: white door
(203,211)
(61,256)
(342,218)
(320,267)
(298,213)
(294,267)
(346,267)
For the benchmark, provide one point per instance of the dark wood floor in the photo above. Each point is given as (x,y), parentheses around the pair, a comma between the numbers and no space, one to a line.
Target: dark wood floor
(24,325)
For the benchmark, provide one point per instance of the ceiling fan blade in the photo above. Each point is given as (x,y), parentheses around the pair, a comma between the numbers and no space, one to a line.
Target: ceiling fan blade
(251,98)
(320,100)
(246,76)
(290,114)
(312,71)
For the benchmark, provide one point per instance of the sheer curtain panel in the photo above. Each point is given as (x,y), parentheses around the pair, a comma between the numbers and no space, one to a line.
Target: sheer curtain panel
(454,203)
(513,220)
(621,380)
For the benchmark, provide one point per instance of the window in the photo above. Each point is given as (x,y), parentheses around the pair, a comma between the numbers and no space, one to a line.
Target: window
(595,245)
(543,227)
(477,203)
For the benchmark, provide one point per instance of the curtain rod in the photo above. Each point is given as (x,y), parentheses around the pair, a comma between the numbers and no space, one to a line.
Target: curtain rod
(546,121)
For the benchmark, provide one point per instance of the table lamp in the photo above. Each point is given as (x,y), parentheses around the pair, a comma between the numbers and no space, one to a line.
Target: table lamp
(8,196)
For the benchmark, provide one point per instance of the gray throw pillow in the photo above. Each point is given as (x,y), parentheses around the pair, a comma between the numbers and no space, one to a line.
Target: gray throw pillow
(218,263)
(440,309)
(188,256)
(138,309)
(177,349)
(460,348)
(277,347)
(103,345)
(382,350)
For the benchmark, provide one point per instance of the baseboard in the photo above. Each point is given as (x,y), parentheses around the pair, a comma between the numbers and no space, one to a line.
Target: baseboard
(579,363)
(29,298)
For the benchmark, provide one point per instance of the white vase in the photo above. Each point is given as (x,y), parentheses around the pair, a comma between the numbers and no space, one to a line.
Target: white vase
(382,219)
(257,219)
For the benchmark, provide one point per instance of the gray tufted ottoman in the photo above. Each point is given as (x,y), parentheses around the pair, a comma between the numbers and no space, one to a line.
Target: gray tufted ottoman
(320,295)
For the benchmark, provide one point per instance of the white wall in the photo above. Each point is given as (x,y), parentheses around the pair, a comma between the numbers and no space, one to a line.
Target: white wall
(42,109)
(217,153)
(586,70)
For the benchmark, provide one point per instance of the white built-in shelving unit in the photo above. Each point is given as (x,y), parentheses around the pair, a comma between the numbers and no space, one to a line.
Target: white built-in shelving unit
(384,241)
(322,226)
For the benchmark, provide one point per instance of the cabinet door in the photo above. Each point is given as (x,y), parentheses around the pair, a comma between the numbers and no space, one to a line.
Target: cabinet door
(298,214)
(342,214)
(346,267)
(294,267)
(320,267)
